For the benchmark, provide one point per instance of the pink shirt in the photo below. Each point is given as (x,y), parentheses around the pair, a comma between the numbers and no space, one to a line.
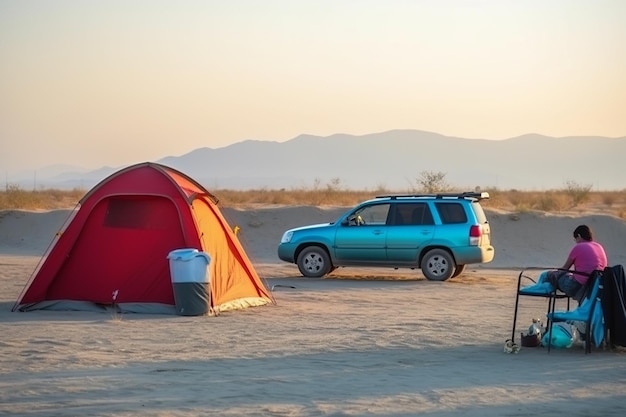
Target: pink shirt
(587,257)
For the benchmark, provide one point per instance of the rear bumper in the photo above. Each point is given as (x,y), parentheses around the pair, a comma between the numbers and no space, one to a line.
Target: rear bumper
(475,255)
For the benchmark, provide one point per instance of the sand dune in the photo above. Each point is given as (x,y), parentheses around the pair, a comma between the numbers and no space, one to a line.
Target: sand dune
(526,239)
(364,342)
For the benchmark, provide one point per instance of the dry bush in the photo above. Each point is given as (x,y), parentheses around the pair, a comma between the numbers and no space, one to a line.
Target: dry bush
(523,201)
(432,182)
(499,200)
(579,193)
(551,201)
(13,197)
(610,198)
(559,201)
(293,197)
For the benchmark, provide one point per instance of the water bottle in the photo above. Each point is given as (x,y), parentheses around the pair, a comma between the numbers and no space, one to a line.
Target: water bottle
(536,328)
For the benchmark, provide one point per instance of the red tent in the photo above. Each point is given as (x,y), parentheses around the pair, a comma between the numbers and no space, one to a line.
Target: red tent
(118,240)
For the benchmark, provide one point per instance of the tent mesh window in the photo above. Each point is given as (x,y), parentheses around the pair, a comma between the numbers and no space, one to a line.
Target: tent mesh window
(136,213)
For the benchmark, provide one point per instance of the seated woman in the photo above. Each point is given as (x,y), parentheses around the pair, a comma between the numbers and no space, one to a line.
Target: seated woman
(586,256)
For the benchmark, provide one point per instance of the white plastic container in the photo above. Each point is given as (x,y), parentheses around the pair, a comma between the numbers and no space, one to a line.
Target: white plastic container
(189,270)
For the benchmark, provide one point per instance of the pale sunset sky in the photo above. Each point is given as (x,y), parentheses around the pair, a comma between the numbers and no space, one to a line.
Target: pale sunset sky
(116,82)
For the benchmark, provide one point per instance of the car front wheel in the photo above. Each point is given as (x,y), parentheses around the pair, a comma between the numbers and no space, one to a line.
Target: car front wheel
(314,262)
(437,265)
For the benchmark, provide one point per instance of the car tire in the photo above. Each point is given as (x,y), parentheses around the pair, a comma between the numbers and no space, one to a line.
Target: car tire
(314,262)
(458,271)
(437,265)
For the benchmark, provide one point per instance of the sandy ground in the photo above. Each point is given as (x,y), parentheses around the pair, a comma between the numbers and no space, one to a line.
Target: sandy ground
(363,342)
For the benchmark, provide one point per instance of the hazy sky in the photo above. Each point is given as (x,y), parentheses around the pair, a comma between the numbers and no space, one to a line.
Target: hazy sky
(94,83)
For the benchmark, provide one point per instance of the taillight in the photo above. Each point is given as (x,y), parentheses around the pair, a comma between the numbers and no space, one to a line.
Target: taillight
(475,233)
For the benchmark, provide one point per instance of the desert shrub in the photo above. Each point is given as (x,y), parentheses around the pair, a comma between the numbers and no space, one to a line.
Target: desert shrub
(15,197)
(279,198)
(608,199)
(551,201)
(497,199)
(578,193)
(517,199)
(432,182)
(334,184)
(381,189)
(332,194)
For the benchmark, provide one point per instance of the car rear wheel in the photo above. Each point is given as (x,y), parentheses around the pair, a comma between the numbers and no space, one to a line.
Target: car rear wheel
(437,265)
(314,262)
(458,271)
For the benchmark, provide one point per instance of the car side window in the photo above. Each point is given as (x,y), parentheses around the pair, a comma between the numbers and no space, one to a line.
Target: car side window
(375,214)
(451,213)
(412,214)
(421,215)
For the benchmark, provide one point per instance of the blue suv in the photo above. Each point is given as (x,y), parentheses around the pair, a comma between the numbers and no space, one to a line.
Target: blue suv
(438,233)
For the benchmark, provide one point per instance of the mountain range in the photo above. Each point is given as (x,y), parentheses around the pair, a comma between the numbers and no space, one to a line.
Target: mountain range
(392,160)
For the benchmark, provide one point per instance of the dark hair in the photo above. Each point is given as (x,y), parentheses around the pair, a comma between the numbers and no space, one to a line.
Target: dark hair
(583,231)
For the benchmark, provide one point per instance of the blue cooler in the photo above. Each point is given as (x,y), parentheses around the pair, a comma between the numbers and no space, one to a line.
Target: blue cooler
(189,269)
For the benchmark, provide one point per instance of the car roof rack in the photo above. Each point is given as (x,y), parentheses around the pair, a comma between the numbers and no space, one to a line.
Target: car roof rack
(468,194)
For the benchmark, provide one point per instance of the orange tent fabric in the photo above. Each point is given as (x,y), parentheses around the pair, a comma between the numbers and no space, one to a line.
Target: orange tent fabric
(114,248)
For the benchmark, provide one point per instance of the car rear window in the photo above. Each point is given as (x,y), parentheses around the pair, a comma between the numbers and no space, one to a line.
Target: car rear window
(480,213)
(451,213)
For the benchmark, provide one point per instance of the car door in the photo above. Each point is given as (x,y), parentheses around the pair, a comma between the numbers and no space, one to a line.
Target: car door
(454,229)
(362,239)
(412,228)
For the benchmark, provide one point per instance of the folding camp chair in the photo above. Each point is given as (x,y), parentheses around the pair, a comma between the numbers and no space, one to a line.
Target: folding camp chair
(589,311)
(535,290)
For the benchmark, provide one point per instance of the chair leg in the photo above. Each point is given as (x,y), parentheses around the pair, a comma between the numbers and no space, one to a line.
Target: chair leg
(551,305)
(519,280)
(514,320)
(550,309)
(586,341)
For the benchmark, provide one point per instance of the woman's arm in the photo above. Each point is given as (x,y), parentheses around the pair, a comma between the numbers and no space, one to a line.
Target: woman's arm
(568,263)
